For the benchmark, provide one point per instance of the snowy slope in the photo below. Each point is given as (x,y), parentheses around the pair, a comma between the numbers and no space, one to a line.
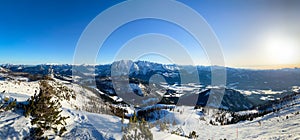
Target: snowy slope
(283,124)
(81,124)
(19,90)
(84,125)
(13,125)
(270,126)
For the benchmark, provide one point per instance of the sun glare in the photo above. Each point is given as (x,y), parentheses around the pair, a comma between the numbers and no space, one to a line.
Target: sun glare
(281,50)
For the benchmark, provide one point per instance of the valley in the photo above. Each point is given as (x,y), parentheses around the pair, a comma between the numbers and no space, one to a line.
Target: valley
(147,108)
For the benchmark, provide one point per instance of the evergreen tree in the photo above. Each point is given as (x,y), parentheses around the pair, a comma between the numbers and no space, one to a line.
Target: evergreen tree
(134,117)
(122,119)
(45,110)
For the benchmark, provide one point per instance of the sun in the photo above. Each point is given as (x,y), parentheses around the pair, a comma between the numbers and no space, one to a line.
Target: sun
(281,49)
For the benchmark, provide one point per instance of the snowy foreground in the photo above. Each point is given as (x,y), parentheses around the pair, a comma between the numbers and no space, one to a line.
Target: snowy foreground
(284,124)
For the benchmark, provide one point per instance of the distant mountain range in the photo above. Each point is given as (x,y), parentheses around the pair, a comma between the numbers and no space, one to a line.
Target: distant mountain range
(243,79)
(191,92)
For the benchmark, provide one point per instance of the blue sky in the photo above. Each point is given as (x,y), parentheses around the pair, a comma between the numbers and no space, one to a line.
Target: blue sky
(252,33)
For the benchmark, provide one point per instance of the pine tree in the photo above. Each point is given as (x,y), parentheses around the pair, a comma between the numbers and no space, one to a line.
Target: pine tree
(45,110)
(174,122)
(134,117)
(122,118)
(130,120)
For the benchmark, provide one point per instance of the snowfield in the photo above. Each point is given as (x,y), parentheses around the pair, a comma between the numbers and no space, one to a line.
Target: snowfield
(84,125)
(267,127)
(19,90)
(284,124)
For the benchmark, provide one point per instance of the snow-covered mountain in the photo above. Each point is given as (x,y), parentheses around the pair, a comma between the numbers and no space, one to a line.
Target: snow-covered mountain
(253,100)
(3,70)
(242,79)
(229,99)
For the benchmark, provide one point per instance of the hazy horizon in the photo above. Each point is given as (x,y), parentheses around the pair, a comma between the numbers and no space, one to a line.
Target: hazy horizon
(260,67)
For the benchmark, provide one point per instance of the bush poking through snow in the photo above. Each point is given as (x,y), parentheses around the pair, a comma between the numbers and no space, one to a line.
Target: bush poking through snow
(193,135)
(96,105)
(137,131)
(8,104)
(162,126)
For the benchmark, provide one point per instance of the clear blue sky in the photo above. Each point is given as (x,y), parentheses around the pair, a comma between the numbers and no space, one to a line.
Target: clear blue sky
(253,33)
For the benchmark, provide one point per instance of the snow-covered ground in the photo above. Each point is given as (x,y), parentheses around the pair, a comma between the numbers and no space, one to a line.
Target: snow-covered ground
(19,90)
(84,125)
(13,125)
(268,127)
(80,125)
(266,92)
